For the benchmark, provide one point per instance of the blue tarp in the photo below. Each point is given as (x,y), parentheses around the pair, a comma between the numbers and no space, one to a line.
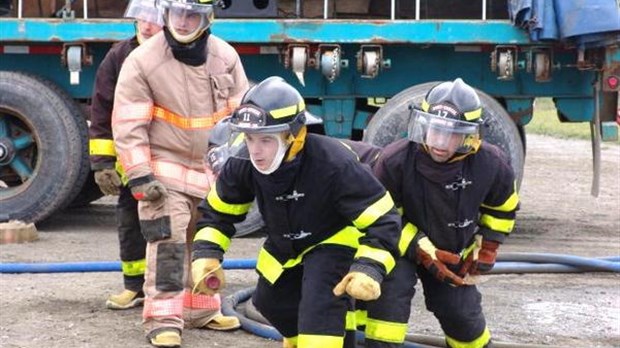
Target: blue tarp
(583,22)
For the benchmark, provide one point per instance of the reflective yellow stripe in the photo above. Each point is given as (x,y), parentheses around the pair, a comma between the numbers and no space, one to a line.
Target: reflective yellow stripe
(473,115)
(212,235)
(289,342)
(509,205)
(381,256)
(401,211)
(350,321)
(361,317)
(189,122)
(497,224)
(469,116)
(133,268)
(288,111)
(465,253)
(220,206)
(406,236)
(322,341)
(101,147)
(479,342)
(271,269)
(374,212)
(121,172)
(385,331)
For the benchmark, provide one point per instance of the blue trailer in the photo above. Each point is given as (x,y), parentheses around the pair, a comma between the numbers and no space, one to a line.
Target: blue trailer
(359,73)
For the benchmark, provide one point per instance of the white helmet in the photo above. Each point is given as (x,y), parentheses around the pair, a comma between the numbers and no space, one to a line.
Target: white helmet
(145,10)
(187,19)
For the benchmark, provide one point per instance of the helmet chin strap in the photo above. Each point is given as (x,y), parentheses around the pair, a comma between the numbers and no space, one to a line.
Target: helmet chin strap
(277,160)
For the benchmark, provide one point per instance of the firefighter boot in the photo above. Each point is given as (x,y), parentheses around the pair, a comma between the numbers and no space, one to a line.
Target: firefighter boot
(223,323)
(125,300)
(167,338)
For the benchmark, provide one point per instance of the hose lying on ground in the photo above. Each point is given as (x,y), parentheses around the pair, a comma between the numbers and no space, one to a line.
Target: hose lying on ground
(254,323)
(507,263)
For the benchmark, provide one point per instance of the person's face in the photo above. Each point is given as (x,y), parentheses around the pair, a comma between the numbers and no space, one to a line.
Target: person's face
(184,22)
(442,145)
(262,148)
(147,29)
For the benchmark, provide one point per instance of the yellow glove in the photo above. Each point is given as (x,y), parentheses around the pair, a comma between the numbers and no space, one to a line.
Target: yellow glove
(359,286)
(208,276)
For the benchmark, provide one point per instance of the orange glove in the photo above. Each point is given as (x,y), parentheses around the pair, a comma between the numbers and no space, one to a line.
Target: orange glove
(435,260)
(480,257)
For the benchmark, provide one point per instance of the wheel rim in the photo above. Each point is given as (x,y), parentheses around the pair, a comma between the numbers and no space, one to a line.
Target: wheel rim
(18,153)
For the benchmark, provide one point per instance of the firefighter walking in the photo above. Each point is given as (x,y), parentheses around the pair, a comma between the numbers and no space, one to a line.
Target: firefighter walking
(108,172)
(171,91)
(458,197)
(332,228)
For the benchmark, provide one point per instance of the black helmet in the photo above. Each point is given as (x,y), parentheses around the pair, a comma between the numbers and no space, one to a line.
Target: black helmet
(453,99)
(272,106)
(449,118)
(220,133)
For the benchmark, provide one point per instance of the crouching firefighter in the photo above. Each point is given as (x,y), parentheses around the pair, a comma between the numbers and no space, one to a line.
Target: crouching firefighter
(332,227)
(458,197)
(171,90)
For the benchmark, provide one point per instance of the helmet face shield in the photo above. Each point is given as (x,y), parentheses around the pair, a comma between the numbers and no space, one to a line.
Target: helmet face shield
(443,133)
(186,20)
(146,11)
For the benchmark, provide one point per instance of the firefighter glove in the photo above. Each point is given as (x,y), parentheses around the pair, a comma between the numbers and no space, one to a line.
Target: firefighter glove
(480,257)
(150,191)
(435,260)
(109,181)
(359,286)
(208,276)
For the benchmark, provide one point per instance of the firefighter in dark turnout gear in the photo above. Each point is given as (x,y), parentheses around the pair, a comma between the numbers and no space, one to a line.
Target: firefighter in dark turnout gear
(332,228)
(108,172)
(458,198)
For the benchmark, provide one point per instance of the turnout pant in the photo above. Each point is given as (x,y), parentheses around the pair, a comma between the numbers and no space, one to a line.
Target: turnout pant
(458,309)
(131,242)
(169,302)
(301,304)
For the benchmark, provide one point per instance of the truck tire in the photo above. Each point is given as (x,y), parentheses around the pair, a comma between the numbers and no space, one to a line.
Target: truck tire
(44,145)
(390,124)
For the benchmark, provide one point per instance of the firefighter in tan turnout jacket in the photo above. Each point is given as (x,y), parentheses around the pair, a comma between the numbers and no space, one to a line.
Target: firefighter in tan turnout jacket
(171,91)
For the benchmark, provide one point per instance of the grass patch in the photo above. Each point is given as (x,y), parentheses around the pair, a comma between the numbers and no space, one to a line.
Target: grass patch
(546,122)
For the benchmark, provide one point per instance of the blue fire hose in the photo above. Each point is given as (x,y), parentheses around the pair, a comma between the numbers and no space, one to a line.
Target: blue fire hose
(508,262)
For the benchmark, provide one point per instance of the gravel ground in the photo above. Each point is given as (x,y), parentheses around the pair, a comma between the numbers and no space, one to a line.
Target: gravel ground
(557,215)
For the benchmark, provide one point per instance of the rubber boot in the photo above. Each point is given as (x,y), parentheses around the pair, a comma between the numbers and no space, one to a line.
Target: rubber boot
(223,323)
(125,300)
(167,339)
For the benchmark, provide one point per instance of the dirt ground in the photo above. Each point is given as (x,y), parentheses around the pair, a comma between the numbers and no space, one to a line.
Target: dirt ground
(557,215)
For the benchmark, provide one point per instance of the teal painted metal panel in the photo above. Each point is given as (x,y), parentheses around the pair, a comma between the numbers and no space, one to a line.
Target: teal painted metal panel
(281,31)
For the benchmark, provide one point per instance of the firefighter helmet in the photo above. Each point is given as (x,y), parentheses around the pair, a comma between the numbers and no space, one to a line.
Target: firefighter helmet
(144,10)
(187,20)
(272,106)
(449,118)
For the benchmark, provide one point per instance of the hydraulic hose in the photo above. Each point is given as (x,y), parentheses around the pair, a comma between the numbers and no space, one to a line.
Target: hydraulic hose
(253,322)
(102,266)
(507,263)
